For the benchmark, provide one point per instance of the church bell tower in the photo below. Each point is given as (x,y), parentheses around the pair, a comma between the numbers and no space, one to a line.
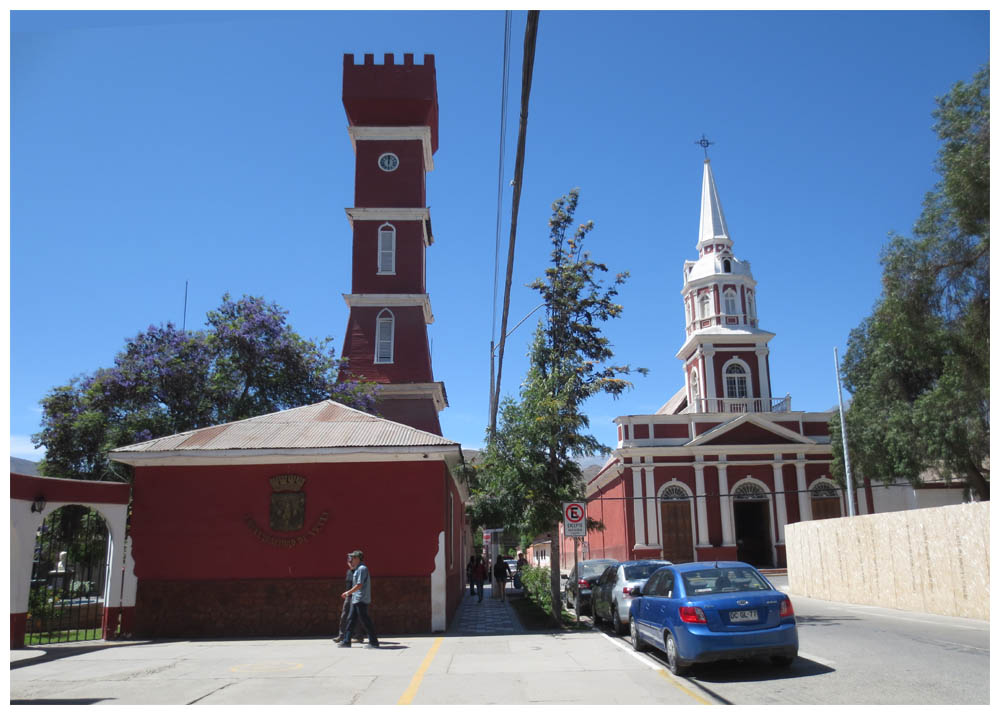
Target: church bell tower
(725,354)
(392,113)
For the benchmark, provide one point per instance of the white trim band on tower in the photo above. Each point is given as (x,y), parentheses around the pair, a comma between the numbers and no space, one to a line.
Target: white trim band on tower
(391,300)
(393,214)
(417,133)
(416,391)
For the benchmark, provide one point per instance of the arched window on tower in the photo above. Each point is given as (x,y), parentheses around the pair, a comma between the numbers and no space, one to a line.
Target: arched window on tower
(695,391)
(384,334)
(736,382)
(727,267)
(751,308)
(386,249)
(703,306)
(730,301)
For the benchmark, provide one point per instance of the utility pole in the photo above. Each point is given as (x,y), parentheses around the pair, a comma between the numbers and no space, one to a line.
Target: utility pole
(527,67)
(843,433)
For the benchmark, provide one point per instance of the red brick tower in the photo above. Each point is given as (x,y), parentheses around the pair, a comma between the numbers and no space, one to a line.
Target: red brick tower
(392,111)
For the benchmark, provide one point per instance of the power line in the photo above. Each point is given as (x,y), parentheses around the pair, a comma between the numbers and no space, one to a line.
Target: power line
(500,174)
(527,67)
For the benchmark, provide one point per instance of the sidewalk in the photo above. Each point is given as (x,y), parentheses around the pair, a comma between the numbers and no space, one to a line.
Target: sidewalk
(491,616)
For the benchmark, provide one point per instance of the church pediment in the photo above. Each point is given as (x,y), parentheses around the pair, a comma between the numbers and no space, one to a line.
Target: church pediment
(748,429)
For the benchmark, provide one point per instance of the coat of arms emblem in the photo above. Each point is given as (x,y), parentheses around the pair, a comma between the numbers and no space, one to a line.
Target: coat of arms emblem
(288,502)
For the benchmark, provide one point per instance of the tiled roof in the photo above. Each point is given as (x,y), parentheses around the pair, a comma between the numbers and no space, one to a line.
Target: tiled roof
(325,425)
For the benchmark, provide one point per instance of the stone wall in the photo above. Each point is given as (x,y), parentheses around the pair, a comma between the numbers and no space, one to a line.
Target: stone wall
(931,560)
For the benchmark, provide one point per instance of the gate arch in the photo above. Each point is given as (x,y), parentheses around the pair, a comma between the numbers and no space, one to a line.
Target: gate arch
(32,499)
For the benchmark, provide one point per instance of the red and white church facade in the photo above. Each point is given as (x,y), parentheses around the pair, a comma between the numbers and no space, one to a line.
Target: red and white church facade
(724,465)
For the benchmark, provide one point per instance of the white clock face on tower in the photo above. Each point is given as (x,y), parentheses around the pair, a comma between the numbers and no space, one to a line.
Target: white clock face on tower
(388,162)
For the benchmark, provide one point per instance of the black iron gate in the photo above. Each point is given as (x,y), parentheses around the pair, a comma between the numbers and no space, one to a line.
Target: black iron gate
(66,602)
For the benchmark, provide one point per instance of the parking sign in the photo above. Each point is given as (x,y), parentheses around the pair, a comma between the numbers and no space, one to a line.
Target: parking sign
(575,518)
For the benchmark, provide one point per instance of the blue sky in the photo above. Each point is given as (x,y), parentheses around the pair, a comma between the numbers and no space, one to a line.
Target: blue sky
(150,149)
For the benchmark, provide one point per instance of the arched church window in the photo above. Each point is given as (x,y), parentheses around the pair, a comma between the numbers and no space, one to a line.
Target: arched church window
(751,308)
(824,490)
(736,381)
(387,248)
(748,491)
(730,297)
(727,267)
(703,306)
(673,493)
(695,390)
(384,329)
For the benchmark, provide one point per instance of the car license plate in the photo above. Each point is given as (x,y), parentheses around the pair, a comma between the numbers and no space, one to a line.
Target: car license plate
(742,616)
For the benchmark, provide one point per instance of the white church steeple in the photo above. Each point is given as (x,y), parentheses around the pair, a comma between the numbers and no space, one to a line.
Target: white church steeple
(725,354)
(713,230)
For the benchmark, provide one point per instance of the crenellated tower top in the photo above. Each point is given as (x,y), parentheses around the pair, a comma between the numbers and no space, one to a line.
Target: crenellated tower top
(391,95)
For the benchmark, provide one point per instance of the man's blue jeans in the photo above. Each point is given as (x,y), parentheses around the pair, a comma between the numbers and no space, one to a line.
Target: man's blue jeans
(359,611)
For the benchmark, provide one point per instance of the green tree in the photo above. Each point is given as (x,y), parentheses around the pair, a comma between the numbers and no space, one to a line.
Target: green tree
(248,362)
(528,468)
(918,367)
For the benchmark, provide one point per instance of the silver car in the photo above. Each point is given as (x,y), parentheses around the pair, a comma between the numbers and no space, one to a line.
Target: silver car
(617,586)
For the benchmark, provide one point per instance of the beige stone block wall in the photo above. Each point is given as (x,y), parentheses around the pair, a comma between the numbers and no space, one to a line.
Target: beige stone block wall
(931,560)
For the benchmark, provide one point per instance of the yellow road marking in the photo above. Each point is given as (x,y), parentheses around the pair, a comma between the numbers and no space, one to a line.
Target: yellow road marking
(680,687)
(411,691)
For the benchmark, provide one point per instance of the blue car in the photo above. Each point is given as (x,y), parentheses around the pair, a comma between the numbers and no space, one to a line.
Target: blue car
(700,612)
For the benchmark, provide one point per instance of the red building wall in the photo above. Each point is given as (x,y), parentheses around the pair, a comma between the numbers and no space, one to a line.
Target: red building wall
(205,565)
(412,360)
(402,188)
(410,252)
(608,506)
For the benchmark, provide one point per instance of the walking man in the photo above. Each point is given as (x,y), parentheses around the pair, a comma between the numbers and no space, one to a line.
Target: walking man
(361,595)
(345,611)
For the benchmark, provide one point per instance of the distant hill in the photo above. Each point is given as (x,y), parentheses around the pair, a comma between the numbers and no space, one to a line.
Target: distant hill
(24,466)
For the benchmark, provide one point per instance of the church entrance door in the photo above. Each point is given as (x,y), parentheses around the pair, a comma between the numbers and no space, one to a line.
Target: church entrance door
(753,526)
(675,517)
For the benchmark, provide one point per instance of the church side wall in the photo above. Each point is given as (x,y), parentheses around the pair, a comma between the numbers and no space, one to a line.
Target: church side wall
(609,507)
(210,563)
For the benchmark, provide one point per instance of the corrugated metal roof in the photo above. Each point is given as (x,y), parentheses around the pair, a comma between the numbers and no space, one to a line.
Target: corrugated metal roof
(325,425)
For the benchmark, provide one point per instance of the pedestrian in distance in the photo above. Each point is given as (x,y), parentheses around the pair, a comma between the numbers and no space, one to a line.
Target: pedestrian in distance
(479,575)
(360,595)
(469,568)
(501,572)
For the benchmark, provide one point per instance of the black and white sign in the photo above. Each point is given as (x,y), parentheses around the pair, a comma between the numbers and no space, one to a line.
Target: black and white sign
(575,518)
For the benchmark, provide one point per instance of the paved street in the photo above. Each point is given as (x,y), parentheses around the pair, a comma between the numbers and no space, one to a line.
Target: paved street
(485,658)
(848,654)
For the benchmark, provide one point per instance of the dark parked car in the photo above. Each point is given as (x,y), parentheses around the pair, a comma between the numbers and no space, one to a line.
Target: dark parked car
(611,595)
(578,583)
(707,611)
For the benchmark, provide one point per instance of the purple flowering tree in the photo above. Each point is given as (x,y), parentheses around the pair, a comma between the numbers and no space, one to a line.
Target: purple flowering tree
(247,362)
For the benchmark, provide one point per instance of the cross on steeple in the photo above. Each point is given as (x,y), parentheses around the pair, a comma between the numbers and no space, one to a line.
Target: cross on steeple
(704,144)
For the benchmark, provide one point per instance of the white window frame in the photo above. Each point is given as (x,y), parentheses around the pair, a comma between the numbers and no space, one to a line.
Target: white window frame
(385,316)
(388,230)
(704,306)
(695,388)
(746,375)
(751,306)
(729,301)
